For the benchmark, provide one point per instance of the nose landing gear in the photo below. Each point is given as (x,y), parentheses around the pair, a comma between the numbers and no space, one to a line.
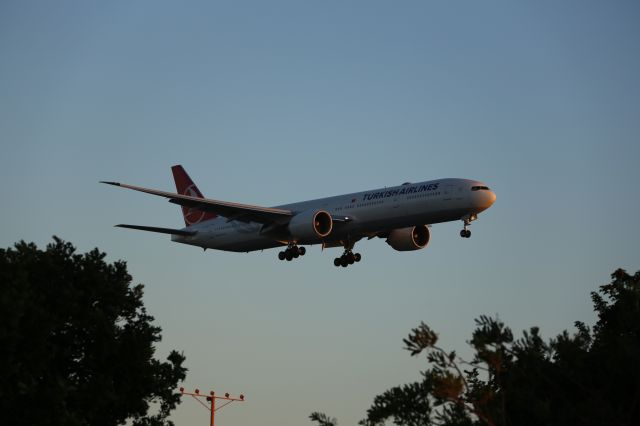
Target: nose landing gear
(465,233)
(292,252)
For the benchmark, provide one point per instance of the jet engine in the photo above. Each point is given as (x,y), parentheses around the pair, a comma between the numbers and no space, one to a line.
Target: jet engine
(310,225)
(407,239)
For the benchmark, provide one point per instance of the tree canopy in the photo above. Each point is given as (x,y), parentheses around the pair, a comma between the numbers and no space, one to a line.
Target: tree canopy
(77,344)
(590,377)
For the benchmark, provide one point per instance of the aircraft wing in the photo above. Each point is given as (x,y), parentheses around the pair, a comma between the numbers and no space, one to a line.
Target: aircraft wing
(232,211)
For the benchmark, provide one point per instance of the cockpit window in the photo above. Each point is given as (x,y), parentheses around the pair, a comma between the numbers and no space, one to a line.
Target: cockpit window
(479,188)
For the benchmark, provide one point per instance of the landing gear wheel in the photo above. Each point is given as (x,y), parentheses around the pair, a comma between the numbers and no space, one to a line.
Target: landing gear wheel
(465,233)
(348,256)
(291,252)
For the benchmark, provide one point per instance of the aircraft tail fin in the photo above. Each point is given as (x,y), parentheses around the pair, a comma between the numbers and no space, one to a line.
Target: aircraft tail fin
(185,186)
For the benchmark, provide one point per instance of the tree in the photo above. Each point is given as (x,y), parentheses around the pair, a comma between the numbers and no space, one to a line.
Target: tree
(589,378)
(76,342)
(323,419)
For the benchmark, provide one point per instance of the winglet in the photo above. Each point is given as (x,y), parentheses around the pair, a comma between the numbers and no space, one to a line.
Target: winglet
(110,183)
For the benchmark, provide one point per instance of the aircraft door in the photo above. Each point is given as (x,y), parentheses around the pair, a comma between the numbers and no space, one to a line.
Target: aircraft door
(458,193)
(399,209)
(449,192)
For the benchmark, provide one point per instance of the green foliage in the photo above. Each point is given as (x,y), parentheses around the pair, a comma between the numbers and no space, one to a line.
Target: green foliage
(589,378)
(407,404)
(323,419)
(77,344)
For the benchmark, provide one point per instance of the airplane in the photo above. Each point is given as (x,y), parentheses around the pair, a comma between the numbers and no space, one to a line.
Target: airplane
(401,214)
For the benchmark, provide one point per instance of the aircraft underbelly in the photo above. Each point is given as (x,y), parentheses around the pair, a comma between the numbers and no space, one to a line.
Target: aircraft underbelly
(437,216)
(247,237)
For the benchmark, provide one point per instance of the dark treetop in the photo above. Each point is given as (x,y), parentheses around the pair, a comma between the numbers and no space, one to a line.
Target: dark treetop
(76,342)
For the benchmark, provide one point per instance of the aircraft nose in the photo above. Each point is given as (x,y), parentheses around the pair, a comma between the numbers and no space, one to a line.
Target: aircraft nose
(492,198)
(485,199)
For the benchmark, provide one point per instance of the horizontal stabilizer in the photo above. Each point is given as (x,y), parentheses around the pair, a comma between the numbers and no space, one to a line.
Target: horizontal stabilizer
(236,211)
(159,230)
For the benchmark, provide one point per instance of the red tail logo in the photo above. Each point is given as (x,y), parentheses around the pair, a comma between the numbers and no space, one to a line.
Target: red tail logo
(185,186)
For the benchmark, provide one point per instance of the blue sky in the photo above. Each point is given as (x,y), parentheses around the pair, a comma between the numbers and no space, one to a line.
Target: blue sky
(275,102)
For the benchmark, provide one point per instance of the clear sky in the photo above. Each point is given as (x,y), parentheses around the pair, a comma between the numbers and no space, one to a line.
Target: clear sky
(281,101)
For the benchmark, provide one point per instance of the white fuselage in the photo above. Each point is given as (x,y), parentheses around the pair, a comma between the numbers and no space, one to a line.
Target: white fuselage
(366,214)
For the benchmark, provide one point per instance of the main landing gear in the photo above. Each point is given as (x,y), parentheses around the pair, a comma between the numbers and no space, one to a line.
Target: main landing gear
(348,257)
(292,252)
(465,233)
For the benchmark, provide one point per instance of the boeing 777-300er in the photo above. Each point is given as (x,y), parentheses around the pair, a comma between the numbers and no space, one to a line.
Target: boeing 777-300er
(401,214)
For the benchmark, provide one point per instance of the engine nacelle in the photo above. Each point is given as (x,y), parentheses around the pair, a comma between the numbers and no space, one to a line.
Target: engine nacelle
(407,239)
(310,225)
